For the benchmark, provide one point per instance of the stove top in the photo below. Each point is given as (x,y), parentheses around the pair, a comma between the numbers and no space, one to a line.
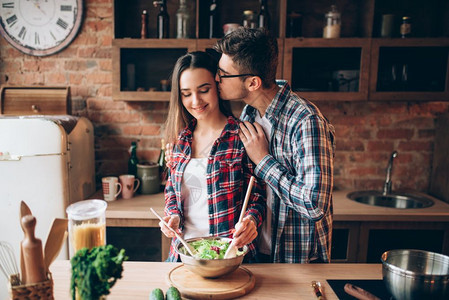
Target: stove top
(375,287)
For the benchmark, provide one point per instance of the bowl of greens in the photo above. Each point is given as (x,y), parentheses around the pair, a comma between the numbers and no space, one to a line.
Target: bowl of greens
(208,261)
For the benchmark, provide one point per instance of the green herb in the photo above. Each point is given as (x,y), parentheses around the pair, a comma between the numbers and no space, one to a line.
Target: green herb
(95,271)
(210,249)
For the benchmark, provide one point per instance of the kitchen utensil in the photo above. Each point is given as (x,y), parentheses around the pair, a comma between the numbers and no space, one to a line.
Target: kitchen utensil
(33,257)
(359,293)
(24,211)
(56,236)
(318,290)
(231,251)
(210,268)
(193,286)
(8,263)
(189,248)
(416,274)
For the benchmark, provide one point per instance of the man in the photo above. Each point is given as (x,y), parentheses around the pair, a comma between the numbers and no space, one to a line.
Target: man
(290,142)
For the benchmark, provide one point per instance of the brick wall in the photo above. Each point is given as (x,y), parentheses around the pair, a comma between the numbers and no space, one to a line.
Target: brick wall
(366,132)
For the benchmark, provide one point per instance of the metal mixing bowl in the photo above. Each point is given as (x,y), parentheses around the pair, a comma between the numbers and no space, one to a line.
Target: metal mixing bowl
(210,268)
(416,274)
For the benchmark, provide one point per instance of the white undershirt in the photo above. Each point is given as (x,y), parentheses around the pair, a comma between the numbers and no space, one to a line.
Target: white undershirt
(265,236)
(194,195)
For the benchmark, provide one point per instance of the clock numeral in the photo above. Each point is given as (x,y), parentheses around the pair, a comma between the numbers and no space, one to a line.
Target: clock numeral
(23,32)
(8,5)
(62,23)
(36,38)
(52,35)
(11,20)
(66,8)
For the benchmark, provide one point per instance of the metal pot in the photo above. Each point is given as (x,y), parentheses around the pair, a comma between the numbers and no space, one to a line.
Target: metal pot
(416,274)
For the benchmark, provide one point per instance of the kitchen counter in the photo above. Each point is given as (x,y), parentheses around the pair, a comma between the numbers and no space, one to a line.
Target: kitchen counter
(273,281)
(136,211)
(356,221)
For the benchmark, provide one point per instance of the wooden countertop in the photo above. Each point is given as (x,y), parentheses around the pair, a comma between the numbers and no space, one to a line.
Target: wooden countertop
(136,211)
(273,281)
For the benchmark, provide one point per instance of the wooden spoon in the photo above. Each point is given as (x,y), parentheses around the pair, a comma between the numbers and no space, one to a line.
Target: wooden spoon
(189,248)
(55,239)
(232,251)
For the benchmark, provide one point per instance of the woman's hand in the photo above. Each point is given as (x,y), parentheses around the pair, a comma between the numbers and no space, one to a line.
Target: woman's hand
(173,222)
(245,232)
(168,154)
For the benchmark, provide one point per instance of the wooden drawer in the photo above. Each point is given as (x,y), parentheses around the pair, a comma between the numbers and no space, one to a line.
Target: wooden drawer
(32,100)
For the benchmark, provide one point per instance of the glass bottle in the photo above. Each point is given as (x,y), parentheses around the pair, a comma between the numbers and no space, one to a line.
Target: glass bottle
(163,20)
(264,15)
(182,21)
(133,160)
(332,23)
(248,19)
(162,166)
(213,22)
(144,25)
(406,27)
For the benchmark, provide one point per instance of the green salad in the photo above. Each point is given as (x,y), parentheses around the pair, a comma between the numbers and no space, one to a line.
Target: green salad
(210,249)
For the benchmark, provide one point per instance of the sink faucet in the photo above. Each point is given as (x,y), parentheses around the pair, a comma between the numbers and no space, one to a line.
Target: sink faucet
(387,184)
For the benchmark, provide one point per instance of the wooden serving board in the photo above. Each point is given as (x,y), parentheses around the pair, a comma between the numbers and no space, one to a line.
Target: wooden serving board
(192,286)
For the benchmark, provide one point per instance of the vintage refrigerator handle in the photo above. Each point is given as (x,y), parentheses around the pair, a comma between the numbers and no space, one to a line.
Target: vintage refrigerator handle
(15,157)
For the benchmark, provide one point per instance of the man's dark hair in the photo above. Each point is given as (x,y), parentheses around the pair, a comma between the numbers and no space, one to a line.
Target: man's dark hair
(254,51)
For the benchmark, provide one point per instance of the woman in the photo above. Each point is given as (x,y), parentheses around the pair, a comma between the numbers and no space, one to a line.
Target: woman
(208,168)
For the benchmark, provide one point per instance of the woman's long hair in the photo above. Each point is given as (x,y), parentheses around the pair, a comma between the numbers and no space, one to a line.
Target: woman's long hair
(178,116)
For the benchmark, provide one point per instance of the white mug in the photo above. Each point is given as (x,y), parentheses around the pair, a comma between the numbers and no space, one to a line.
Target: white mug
(111,188)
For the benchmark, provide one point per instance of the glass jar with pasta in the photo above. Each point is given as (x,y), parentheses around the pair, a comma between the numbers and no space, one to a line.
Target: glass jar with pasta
(87,224)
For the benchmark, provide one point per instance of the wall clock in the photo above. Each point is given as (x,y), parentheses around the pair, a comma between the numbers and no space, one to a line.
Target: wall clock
(40,27)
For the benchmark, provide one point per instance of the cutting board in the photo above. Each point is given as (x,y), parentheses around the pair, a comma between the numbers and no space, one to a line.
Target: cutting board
(238,283)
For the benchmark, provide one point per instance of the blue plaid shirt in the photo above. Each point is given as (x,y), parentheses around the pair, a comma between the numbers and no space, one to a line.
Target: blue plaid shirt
(299,170)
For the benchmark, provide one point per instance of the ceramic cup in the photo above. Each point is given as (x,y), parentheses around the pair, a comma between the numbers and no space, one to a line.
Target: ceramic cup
(130,184)
(111,188)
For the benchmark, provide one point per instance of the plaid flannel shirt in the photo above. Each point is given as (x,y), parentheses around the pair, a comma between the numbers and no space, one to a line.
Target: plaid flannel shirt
(299,170)
(228,173)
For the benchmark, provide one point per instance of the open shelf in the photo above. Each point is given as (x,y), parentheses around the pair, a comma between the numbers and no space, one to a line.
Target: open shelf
(317,68)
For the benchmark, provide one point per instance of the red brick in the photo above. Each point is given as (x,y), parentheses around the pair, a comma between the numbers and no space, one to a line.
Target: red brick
(397,133)
(117,117)
(380,146)
(349,145)
(364,172)
(99,77)
(415,146)
(151,130)
(75,65)
(75,78)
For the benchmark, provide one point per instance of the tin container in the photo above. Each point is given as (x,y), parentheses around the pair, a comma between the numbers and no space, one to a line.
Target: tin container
(149,178)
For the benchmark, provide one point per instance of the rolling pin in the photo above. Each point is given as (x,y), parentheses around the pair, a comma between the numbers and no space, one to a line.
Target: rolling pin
(33,257)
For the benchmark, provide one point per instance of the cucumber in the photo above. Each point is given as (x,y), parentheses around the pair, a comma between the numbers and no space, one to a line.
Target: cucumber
(157,294)
(173,294)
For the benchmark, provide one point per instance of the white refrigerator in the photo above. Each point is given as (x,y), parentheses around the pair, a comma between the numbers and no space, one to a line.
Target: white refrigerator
(48,162)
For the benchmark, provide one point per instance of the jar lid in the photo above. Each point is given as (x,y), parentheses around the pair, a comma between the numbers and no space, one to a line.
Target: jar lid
(406,18)
(248,12)
(86,209)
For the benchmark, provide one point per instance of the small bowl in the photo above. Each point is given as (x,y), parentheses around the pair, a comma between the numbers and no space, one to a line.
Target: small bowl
(416,274)
(210,268)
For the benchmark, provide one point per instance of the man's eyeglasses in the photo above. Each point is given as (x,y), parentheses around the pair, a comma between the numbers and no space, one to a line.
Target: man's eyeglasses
(220,75)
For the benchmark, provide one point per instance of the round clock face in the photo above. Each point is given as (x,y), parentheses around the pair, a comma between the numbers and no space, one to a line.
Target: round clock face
(40,27)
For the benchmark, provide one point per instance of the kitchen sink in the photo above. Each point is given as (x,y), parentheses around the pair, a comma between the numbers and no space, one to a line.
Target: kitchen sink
(396,199)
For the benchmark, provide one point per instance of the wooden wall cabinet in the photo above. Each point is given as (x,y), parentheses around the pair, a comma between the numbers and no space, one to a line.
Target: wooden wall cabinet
(359,66)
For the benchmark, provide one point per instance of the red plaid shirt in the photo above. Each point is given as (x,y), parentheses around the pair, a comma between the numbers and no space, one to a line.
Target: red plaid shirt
(228,173)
